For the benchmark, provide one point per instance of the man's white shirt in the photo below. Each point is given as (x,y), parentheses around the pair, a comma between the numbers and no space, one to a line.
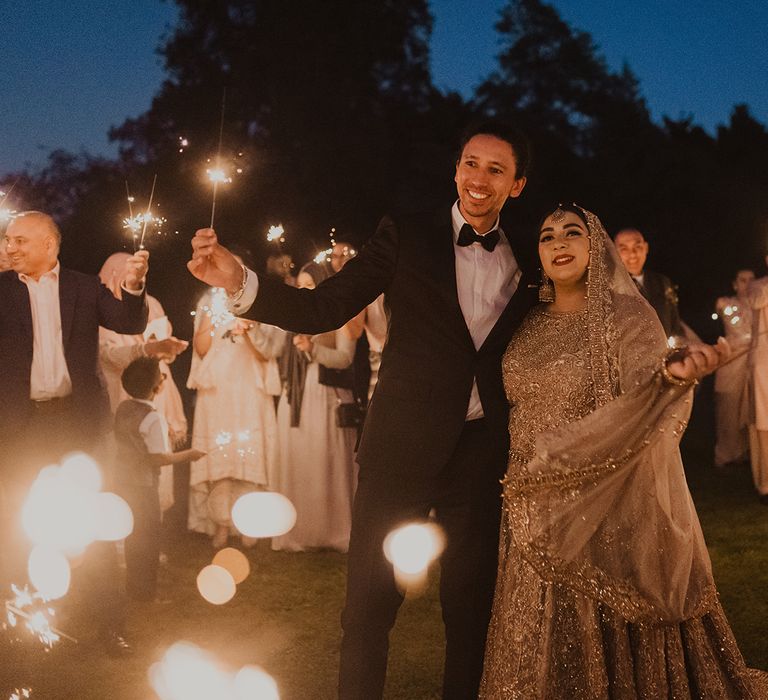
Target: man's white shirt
(485,282)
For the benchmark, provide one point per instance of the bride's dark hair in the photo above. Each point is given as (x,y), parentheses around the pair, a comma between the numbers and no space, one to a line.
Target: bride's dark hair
(563,207)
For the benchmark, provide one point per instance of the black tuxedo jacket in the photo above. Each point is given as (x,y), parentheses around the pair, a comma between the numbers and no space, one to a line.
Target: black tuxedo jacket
(419,406)
(662,296)
(85,305)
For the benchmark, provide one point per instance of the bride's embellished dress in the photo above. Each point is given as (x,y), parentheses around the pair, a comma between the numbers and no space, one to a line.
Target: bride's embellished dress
(579,629)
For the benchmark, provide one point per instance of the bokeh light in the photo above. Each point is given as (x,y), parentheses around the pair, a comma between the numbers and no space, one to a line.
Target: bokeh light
(252,682)
(186,672)
(263,514)
(411,549)
(114,519)
(49,572)
(216,584)
(81,470)
(234,561)
(58,512)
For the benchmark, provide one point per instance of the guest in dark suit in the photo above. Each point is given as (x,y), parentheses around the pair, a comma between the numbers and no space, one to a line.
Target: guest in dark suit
(52,400)
(657,289)
(436,431)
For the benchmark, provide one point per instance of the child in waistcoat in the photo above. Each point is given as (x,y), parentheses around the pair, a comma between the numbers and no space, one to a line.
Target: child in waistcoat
(143,446)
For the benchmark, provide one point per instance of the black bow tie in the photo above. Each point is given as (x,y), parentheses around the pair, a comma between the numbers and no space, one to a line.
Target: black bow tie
(467,236)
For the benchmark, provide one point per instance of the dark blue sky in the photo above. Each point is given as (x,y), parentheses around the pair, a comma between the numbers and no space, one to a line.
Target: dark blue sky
(71,69)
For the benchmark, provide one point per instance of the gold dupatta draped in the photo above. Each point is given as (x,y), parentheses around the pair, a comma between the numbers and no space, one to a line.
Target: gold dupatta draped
(603,506)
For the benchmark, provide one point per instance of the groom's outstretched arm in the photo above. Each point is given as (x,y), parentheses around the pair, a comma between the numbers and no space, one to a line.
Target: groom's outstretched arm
(329,306)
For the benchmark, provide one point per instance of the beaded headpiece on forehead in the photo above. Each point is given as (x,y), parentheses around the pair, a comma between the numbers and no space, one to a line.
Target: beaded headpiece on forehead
(558,215)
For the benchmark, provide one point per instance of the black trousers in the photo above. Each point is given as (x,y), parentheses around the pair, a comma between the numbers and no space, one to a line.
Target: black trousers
(466,496)
(142,546)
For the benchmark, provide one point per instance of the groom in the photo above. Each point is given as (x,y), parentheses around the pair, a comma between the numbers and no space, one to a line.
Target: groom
(435,436)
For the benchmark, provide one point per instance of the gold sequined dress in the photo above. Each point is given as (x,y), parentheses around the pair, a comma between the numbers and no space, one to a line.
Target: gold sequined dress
(604,588)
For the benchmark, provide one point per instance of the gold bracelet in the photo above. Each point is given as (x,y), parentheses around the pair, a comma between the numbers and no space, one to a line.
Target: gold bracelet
(234,298)
(670,378)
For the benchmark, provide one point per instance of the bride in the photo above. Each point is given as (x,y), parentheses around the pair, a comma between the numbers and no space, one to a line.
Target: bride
(605,588)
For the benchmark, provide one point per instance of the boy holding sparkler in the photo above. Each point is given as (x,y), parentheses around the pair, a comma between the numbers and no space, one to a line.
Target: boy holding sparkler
(143,446)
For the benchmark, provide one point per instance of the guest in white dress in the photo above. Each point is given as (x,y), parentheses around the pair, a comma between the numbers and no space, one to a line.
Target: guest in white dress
(234,370)
(117,351)
(316,469)
(731,380)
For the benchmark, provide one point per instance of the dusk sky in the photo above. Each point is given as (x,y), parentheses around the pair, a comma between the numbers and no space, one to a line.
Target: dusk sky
(72,69)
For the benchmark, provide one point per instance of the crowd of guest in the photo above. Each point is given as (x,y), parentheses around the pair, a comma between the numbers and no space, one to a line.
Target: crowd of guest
(268,410)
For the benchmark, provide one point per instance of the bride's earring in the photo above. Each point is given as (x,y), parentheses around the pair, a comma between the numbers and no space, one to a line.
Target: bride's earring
(546,289)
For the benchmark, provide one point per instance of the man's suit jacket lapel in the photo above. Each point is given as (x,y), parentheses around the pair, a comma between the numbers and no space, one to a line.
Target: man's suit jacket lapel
(444,269)
(67,301)
(520,302)
(23,309)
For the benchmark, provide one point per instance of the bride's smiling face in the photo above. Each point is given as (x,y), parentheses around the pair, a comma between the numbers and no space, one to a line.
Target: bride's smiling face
(564,249)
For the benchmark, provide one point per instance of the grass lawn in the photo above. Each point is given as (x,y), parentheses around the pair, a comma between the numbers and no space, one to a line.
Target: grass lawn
(285,616)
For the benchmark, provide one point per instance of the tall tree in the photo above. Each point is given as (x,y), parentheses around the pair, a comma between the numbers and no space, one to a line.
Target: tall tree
(325,100)
(552,80)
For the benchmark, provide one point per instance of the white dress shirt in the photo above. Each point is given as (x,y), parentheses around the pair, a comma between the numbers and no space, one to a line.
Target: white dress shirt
(49,377)
(154,430)
(485,282)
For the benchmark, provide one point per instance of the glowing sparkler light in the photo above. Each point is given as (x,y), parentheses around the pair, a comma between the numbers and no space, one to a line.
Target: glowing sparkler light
(223,439)
(323,256)
(21,694)
(254,682)
(275,233)
(715,317)
(217,176)
(216,584)
(412,548)
(36,613)
(218,309)
(49,572)
(243,435)
(263,514)
(671,342)
(234,561)
(183,143)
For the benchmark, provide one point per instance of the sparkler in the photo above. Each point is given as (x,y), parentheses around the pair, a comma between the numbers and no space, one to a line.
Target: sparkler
(218,310)
(37,614)
(323,256)
(7,215)
(217,175)
(275,233)
(142,220)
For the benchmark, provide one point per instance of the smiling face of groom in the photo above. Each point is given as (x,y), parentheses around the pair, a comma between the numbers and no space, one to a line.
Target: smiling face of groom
(486,176)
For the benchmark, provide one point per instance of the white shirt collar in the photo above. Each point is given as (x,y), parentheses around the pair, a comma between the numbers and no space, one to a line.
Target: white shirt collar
(458,220)
(53,274)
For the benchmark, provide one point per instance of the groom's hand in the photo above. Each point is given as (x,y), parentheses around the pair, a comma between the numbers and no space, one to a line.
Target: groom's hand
(699,360)
(212,263)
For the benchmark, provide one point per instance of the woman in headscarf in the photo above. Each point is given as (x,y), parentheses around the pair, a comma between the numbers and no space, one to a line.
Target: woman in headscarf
(117,351)
(316,468)
(234,370)
(605,587)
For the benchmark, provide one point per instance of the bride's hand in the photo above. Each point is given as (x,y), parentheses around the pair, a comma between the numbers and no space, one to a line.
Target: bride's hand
(698,360)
